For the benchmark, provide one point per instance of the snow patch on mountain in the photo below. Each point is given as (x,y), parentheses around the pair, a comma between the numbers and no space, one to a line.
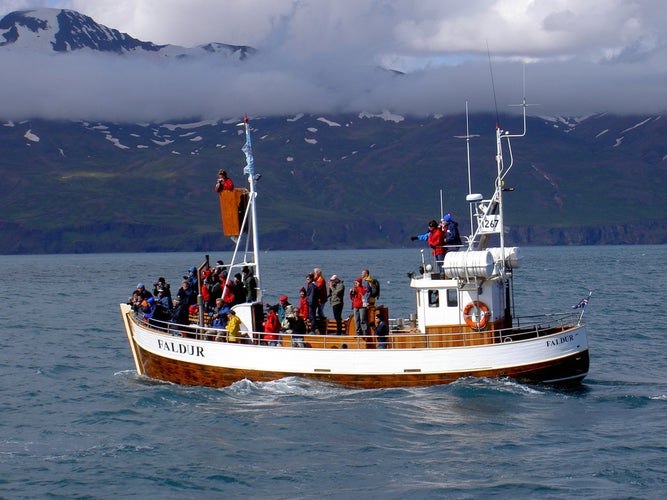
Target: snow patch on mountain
(30,136)
(115,141)
(385,115)
(328,122)
(636,125)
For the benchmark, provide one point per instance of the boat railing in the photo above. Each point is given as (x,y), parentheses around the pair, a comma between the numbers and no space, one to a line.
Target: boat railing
(404,334)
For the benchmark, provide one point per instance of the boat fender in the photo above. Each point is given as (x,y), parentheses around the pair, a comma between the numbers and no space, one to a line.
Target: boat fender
(480,312)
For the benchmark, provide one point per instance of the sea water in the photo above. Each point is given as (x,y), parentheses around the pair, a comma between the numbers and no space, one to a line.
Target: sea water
(77,421)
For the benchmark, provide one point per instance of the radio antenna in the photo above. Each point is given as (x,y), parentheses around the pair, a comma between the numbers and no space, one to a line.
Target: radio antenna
(493,84)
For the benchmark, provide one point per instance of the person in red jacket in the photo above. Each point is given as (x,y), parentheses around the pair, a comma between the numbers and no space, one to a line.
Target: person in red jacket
(357,293)
(436,240)
(223,183)
(303,304)
(271,327)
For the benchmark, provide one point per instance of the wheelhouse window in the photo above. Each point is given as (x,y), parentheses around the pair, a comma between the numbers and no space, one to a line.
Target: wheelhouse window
(452,298)
(434,298)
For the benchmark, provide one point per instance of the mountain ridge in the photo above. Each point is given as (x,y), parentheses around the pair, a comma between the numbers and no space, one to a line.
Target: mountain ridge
(65,31)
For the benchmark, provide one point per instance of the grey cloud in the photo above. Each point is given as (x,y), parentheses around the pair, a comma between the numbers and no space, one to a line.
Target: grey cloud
(325,59)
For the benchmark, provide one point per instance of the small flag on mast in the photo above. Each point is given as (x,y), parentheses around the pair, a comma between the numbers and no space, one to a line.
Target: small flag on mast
(249,168)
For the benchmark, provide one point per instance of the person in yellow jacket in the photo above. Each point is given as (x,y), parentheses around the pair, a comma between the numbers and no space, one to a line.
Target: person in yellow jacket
(234,328)
(369,298)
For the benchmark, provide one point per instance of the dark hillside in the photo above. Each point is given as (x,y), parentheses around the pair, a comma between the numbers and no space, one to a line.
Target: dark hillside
(339,182)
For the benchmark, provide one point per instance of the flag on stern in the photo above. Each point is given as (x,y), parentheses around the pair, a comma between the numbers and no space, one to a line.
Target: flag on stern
(582,303)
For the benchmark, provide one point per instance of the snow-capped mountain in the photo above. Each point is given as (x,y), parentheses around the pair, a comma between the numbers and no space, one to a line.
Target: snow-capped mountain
(57,30)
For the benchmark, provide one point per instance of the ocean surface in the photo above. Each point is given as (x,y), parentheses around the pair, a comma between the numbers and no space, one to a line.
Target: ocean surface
(77,421)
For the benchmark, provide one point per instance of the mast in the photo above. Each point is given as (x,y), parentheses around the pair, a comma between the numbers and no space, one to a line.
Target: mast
(249,170)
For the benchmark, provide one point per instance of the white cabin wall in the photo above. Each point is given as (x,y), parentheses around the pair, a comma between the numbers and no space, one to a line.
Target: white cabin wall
(442,312)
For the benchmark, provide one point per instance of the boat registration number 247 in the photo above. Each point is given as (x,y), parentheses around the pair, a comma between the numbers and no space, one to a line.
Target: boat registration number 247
(489,224)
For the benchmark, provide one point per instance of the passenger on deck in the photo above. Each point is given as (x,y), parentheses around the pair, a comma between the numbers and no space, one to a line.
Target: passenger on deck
(271,327)
(357,296)
(161,283)
(185,297)
(219,268)
(205,280)
(250,284)
(134,300)
(219,314)
(313,300)
(436,240)
(163,305)
(451,230)
(223,183)
(147,308)
(239,289)
(192,277)
(381,330)
(283,302)
(336,298)
(228,295)
(367,280)
(303,304)
(321,285)
(234,328)
(214,290)
(295,326)
(138,296)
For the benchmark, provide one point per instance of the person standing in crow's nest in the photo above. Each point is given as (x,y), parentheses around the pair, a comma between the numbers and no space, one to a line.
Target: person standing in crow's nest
(223,183)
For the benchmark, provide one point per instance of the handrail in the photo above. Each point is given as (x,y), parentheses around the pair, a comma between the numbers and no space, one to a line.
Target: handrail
(402,333)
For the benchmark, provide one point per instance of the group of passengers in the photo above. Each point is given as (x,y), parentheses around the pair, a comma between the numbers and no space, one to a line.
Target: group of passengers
(220,293)
(313,296)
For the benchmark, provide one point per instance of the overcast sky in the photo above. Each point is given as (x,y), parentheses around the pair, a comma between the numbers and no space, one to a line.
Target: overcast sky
(322,56)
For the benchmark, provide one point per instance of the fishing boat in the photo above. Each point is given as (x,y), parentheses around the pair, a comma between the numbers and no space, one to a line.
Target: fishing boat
(463,323)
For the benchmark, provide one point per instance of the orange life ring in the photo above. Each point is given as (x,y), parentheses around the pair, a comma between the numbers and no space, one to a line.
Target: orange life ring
(480,310)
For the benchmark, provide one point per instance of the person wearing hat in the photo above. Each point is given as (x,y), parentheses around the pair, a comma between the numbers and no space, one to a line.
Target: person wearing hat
(161,283)
(451,230)
(234,328)
(223,183)
(163,305)
(138,296)
(192,277)
(283,303)
(336,296)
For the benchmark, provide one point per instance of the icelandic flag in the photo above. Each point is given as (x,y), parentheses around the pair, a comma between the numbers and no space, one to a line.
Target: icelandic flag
(249,168)
(582,303)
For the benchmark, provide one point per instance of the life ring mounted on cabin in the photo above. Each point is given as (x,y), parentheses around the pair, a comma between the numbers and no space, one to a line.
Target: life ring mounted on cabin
(476,314)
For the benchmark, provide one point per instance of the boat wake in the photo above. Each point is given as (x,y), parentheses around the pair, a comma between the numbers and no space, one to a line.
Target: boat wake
(289,386)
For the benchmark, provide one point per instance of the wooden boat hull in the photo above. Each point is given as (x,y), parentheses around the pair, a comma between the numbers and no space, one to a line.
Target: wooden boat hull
(560,358)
